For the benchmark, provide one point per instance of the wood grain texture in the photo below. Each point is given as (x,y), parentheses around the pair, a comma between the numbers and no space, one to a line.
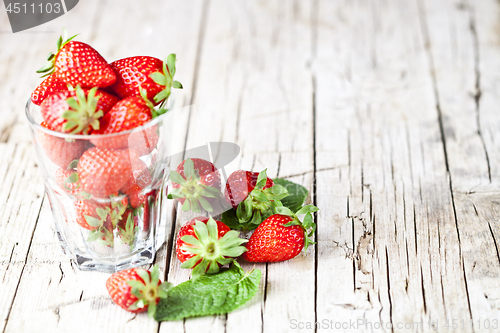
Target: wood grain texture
(385,110)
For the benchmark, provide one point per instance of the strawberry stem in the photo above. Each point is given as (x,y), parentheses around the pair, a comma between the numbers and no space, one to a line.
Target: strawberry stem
(48,68)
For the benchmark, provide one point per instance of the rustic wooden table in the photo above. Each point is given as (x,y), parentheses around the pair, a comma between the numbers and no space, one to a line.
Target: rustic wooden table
(386,110)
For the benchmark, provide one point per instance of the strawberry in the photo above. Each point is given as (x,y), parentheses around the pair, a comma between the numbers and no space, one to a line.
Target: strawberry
(90,214)
(68,180)
(281,236)
(60,151)
(103,172)
(205,244)
(194,181)
(240,183)
(148,73)
(76,111)
(77,63)
(137,182)
(254,196)
(137,290)
(49,86)
(127,114)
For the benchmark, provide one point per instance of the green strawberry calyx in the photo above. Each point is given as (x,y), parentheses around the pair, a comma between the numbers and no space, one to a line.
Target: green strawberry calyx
(260,203)
(307,224)
(191,188)
(209,251)
(166,79)
(82,115)
(149,290)
(128,233)
(48,68)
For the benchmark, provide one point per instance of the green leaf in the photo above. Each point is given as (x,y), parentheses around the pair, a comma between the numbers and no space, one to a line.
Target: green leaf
(209,294)
(93,236)
(276,192)
(73,178)
(284,211)
(307,209)
(158,78)
(92,221)
(261,179)
(171,59)
(177,85)
(189,169)
(205,204)
(47,67)
(177,178)
(230,219)
(73,164)
(162,95)
(297,194)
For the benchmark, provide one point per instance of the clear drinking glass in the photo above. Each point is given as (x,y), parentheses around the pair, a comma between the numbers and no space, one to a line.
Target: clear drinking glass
(106,192)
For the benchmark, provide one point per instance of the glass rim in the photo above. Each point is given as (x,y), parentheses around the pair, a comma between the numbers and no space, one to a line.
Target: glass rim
(39,127)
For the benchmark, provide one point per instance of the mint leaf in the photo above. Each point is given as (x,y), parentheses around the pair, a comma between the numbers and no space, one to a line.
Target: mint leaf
(209,294)
(297,194)
(230,219)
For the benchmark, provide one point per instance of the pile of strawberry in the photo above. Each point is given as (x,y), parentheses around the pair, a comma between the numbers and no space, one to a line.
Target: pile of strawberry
(205,244)
(83,94)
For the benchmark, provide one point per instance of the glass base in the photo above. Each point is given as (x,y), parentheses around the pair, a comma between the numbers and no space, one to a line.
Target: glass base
(91,264)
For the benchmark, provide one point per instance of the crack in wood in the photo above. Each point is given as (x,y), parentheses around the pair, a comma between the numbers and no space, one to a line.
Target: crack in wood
(389,287)
(477,95)
(22,270)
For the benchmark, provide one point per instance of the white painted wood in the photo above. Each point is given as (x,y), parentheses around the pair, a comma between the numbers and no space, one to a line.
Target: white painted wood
(79,300)
(376,103)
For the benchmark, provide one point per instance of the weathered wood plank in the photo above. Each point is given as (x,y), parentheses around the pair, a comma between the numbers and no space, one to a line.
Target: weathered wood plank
(456,56)
(20,201)
(256,55)
(387,176)
(66,297)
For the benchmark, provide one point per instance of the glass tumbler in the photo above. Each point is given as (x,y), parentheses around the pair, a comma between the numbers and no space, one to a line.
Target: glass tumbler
(106,192)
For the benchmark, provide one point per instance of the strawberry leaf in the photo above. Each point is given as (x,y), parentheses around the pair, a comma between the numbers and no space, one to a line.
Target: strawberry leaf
(177,85)
(189,169)
(209,294)
(297,194)
(261,179)
(158,78)
(177,178)
(73,164)
(171,60)
(92,221)
(307,209)
(73,178)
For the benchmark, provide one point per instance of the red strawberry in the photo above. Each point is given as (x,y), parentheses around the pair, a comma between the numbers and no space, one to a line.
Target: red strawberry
(57,149)
(125,115)
(196,184)
(137,290)
(103,172)
(240,183)
(76,111)
(205,244)
(77,63)
(68,180)
(254,196)
(137,182)
(281,236)
(148,73)
(49,86)
(90,214)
